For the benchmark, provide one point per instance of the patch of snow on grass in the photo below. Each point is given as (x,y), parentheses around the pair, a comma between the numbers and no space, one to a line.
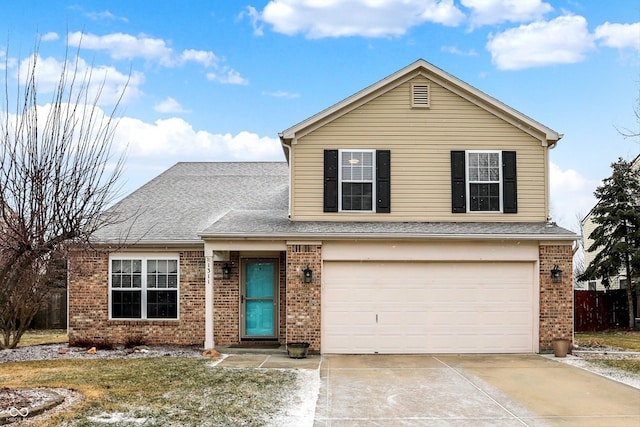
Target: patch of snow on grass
(115,418)
(299,410)
(619,375)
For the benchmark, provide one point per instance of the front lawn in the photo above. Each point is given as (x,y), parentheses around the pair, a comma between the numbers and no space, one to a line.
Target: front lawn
(617,339)
(45,336)
(157,391)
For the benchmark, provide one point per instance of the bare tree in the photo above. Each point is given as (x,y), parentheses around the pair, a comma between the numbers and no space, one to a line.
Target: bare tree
(58,173)
(578,252)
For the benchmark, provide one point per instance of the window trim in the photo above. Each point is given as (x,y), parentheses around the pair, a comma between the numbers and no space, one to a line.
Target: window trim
(468,181)
(144,257)
(373,180)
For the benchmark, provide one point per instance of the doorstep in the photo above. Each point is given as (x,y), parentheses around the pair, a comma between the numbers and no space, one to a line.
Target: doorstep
(267,361)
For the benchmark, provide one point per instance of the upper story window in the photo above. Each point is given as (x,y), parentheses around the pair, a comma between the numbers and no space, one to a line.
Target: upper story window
(142,287)
(484,178)
(357,175)
(483,181)
(357,181)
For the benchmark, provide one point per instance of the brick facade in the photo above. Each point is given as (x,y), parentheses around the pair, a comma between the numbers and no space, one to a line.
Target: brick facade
(299,303)
(556,299)
(226,300)
(89,304)
(303,299)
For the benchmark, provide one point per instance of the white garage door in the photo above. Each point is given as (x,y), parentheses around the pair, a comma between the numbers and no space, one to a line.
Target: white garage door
(396,307)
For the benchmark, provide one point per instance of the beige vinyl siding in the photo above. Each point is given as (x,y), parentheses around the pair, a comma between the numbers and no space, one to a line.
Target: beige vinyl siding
(420,141)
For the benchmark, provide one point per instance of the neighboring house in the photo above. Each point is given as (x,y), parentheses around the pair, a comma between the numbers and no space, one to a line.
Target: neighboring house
(616,282)
(410,217)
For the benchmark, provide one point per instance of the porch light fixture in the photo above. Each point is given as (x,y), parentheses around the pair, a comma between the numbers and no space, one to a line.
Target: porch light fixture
(307,274)
(226,271)
(556,274)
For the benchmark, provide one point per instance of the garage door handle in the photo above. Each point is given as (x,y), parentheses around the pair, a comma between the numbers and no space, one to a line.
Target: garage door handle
(376,318)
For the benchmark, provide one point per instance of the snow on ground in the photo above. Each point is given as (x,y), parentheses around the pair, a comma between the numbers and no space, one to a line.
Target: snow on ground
(300,409)
(619,375)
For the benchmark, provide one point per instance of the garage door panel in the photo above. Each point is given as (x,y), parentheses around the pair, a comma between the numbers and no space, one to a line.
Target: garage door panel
(426,307)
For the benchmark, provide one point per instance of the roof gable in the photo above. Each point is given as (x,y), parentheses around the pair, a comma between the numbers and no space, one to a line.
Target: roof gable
(547,136)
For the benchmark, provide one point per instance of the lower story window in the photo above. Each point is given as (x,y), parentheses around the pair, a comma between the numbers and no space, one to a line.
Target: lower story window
(143,287)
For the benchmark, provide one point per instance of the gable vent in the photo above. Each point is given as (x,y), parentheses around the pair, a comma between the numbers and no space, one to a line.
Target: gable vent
(420,95)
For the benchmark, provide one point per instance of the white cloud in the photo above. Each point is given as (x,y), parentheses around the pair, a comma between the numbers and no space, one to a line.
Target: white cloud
(169,105)
(228,76)
(487,12)
(367,18)
(254,17)
(563,40)
(571,196)
(619,36)
(203,57)
(175,139)
(6,62)
(126,46)
(104,15)
(106,81)
(282,94)
(49,37)
(455,51)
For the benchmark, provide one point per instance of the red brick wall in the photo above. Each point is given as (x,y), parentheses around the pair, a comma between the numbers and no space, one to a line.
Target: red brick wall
(89,310)
(226,302)
(303,299)
(556,299)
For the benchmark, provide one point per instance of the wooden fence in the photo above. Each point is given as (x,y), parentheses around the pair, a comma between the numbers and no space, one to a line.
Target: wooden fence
(600,310)
(54,314)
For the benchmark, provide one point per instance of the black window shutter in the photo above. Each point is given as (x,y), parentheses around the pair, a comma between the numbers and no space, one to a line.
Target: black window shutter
(509,182)
(383,181)
(458,185)
(330,180)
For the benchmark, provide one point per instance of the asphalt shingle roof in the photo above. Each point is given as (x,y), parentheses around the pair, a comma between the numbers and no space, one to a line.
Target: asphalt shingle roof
(185,199)
(192,201)
(260,224)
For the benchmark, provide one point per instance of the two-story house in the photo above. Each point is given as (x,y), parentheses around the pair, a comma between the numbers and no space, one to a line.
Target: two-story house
(410,217)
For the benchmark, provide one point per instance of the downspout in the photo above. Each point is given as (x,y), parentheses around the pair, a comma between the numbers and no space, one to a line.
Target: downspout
(288,157)
(286,280)
(550,146)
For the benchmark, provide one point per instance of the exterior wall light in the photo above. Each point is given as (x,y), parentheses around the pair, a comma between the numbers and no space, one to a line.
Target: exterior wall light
(226,271)
(307,274)
(556,274)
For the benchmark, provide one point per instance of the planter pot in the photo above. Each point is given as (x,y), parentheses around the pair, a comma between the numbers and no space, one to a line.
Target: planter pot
(297,350)
(560,347)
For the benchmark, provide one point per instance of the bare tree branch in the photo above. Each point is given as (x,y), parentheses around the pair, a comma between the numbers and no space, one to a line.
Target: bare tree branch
(58,173)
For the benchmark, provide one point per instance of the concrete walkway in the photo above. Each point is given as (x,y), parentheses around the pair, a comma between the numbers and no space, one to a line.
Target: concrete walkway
(469,390)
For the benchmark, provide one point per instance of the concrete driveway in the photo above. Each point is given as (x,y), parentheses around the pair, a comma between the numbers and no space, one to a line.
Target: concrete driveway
(468,390)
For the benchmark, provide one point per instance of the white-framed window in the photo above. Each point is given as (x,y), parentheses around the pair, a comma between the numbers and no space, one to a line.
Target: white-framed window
(357,175)
(484,181)
(144,286)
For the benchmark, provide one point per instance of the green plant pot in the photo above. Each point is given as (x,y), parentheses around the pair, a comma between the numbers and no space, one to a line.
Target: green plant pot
(297,350)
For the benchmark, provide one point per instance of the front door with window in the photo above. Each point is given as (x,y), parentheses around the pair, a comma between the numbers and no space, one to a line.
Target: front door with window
(259,298)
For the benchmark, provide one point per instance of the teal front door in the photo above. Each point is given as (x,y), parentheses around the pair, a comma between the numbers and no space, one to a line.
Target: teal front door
(260,298)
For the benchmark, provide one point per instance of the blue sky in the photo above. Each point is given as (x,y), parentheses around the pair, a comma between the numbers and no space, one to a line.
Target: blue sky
(217,80)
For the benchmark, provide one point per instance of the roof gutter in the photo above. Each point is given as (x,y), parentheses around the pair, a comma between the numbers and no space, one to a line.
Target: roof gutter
(394,236)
